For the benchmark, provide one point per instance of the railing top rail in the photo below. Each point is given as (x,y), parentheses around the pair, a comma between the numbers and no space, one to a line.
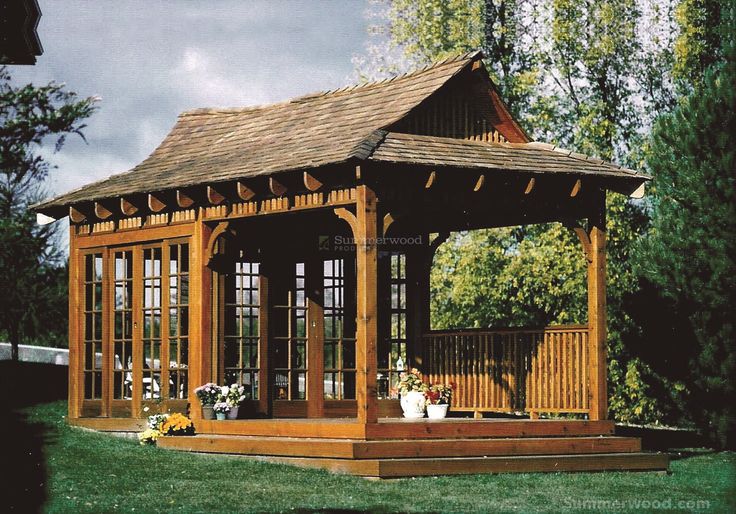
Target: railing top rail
(484,330)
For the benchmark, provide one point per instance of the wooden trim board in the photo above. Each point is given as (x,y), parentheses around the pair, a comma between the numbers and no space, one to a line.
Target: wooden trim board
(422,448)
(396,468)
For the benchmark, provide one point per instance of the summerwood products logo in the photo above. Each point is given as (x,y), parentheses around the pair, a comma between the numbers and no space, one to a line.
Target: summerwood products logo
(636,504)
(345,244)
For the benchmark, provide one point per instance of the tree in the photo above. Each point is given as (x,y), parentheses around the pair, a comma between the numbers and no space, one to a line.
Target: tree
(703,26)
(29,254)
(690,253)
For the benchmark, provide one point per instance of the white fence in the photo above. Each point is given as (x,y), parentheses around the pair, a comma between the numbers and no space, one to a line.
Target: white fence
(28,353)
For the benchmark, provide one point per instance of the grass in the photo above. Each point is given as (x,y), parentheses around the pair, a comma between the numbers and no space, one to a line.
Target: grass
(66,469)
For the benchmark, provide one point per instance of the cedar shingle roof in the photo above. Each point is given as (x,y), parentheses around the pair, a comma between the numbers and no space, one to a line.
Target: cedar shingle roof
(462,153)
(212,145)
(207,146)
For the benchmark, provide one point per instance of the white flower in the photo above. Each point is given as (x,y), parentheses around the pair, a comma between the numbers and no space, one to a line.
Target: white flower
(225,390)
(145,409)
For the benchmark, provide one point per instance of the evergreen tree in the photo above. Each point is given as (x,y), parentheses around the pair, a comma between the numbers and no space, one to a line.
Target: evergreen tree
(691,252)
(30,260)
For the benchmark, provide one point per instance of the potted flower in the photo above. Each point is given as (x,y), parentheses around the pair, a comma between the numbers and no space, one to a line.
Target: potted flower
(412,389)
(177,424)
(233,396)
(438,400)
(160,425)
(221,409)
(208,394)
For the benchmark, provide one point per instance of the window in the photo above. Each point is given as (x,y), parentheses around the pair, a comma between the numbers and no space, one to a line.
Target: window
(242,327)
(123,335)
(339,336)
(290,341)
(151,323)
(178,320)
(393,358)
(93,329)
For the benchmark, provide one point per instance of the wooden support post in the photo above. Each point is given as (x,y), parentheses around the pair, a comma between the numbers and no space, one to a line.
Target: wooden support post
(75,345)
(315,338)
(366,248)
(200,291)
(597,309)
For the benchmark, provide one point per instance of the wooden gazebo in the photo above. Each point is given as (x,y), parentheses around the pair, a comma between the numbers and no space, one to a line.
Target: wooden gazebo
(288,248)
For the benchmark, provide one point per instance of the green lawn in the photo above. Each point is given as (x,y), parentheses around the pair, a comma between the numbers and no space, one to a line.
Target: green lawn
(66,469)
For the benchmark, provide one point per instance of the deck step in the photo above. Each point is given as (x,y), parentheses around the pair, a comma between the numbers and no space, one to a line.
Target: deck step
(416,448)
(397,468)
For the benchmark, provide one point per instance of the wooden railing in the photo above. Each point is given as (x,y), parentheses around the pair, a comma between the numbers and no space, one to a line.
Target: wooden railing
(511,370)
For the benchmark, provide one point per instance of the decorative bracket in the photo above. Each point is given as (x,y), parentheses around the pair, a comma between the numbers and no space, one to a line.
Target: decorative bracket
(349,218)
(585,241)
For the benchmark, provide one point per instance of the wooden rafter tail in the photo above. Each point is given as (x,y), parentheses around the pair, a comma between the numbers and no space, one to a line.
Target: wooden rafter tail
(184,199)
(128,207)
(431,180)
(530,185)
(101,211)
(639,191)
(479,183)
(215,196)
(156,202)
(576,188)
(276,187)
(311,182)
(245,192)
(76,215)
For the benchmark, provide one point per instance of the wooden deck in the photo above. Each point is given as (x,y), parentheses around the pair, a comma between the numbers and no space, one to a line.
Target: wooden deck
(386,428)
(397,448)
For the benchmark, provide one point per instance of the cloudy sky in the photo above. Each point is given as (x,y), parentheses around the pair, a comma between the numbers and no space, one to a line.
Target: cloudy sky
(148,61)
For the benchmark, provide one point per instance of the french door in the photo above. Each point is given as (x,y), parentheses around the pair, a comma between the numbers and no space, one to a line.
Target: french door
(134,329)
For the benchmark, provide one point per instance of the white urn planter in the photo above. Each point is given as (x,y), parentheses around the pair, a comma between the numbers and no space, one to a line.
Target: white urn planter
(437,411)
(233,412)
(412,403)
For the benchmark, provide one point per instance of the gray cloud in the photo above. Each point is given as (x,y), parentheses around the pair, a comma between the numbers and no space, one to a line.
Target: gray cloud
(148,61)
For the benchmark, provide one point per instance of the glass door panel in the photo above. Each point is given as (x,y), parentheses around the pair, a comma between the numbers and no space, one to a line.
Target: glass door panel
(290,339)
